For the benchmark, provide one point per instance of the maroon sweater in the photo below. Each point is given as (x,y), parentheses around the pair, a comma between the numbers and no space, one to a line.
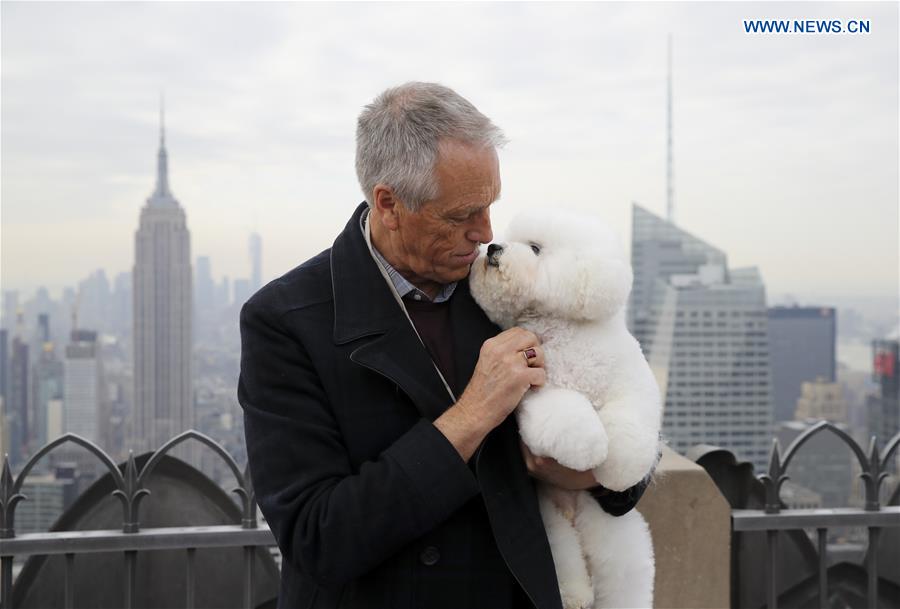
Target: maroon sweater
(432,321)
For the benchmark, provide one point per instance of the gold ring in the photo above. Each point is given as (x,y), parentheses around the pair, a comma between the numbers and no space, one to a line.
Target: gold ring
(529,354)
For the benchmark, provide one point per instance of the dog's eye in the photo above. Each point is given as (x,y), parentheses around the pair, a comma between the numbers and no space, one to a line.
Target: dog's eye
(536,248)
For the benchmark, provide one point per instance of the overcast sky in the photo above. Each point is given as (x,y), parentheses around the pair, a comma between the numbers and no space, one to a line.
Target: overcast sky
(786,145)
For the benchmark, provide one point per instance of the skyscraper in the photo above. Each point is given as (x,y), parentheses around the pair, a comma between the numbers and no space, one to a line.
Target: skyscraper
(883,407)
(242,292)
(255,262)
(162,315)
(47,386)
(4,361)
(204,287)
(702,327)
(82,387)
(16,401)
(802,342)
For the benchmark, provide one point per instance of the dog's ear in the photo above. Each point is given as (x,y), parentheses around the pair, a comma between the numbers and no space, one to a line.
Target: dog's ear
(603,286)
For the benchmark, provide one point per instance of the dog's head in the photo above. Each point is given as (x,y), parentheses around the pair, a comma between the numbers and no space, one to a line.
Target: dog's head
(553,264)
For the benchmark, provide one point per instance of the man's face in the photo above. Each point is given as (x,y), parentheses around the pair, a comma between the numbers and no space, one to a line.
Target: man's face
(440,241)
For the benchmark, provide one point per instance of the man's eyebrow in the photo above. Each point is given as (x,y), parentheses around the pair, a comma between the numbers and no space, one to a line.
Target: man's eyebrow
(469,209)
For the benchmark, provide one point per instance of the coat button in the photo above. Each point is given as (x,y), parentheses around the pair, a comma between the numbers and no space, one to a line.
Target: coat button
(429,556)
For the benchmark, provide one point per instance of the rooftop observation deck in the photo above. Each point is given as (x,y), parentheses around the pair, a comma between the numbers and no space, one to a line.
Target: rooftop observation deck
(722,536)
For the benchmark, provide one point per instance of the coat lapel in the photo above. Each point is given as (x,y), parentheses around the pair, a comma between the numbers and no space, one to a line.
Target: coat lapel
(508,491)
(511,502)
(365,311)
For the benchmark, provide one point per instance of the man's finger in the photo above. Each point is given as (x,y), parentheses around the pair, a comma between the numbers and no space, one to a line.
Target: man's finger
(517,339)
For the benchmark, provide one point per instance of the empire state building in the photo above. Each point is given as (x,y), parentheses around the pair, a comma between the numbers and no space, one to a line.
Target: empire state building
(163,404)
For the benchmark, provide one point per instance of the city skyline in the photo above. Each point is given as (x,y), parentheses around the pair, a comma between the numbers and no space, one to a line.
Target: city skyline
(776,169)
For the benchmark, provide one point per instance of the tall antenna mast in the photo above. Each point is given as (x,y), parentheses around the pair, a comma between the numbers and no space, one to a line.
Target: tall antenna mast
(670,195)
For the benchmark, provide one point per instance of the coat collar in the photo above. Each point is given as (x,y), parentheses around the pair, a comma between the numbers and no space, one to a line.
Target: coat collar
(365,310)
(363,303)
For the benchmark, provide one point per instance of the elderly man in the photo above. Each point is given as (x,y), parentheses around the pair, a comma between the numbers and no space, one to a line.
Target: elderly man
(377,395)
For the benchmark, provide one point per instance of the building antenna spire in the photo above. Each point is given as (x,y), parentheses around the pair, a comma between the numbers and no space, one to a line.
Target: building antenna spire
(670,194)
(162,158)
(162,120)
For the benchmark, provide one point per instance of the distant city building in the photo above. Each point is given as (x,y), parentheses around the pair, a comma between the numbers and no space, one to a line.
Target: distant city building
(17,401)
(883,407)
(255,244)
(822,400)
(802,343)
(702,327)
(48,497)
(4,429)
(10,309)
(95,302)
(204,287)
(48,385)
(242,291)
(121,304)
(54,418)
(4,360)
(798,497)
(83,387)
(223,293)
(162,316)
(823,464)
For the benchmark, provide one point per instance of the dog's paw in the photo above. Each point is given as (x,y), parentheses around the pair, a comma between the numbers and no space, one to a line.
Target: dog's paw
(585,447)
(625,467)
(562,424)
(576,595)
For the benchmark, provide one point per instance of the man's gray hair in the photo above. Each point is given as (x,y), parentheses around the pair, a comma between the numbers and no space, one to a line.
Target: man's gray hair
(398,134)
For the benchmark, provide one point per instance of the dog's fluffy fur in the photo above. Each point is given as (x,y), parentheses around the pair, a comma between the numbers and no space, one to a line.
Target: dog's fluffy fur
(600,409)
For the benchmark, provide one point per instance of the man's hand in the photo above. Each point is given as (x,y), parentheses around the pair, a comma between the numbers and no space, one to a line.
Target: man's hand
(549,470)
(501,377)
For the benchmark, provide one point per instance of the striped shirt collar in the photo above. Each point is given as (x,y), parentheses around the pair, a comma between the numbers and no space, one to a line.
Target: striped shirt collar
(401,284)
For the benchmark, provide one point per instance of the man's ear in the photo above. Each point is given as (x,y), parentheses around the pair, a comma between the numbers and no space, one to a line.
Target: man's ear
(386,206)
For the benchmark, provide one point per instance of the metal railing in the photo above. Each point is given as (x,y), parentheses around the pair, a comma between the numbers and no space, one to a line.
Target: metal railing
(773,519)
(130,490)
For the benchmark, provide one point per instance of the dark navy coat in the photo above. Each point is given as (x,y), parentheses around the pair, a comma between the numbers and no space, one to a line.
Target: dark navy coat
(371,505)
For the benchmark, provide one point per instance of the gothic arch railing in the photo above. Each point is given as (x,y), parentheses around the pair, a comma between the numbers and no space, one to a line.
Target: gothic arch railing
(873,465)
(244,489)
(130,487)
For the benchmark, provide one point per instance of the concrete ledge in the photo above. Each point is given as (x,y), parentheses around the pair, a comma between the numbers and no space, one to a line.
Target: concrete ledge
(690,522)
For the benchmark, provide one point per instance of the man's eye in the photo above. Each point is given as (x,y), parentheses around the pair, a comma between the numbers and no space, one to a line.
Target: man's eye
(536,248)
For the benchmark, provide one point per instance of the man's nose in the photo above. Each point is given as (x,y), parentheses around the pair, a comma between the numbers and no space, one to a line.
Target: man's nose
(481,232)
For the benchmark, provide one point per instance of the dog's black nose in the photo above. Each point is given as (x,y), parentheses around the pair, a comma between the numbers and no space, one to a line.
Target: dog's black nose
(493,254)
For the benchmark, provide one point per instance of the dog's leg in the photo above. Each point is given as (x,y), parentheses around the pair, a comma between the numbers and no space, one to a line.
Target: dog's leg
(562,424)
(631,415)
(571,569)
(619,554)
(633,447)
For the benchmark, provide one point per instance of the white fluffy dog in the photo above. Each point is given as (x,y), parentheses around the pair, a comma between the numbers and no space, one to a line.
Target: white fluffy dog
(566,279)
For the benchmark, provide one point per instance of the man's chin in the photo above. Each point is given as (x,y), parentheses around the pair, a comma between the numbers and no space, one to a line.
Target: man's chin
(456,274)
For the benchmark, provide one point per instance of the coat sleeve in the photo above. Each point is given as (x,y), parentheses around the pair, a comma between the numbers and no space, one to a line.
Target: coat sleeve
(622,502)
(619,503)
(330,522)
